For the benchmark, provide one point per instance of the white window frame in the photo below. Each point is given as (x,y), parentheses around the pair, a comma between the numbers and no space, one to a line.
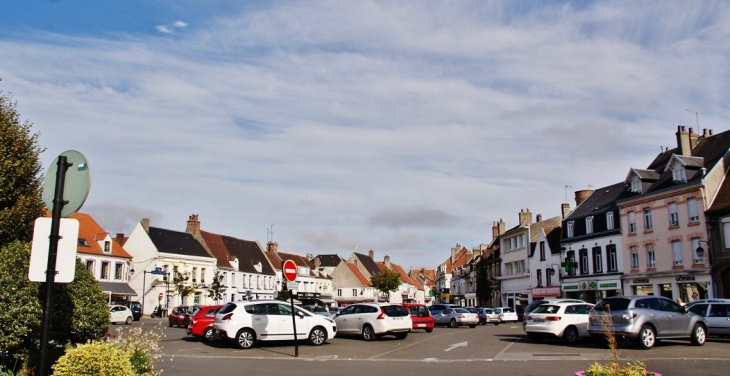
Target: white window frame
(679,174)
(650,256)
(609,221)
(571,229)
(677,257)
(589,225)
(673,214)
(693,210)
(634,259)
(612,259)
(597,260)
(636,185)
(648,225)
(631,218)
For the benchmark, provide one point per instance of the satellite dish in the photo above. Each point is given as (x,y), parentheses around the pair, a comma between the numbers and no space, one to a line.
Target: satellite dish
(76,185)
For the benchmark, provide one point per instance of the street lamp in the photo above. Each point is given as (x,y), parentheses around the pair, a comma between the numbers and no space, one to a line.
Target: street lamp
(701,251)
(157,271)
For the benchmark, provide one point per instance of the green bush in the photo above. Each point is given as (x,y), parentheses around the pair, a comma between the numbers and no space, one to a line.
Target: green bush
(143,347)
(21,311)
(94,358)
(636,368)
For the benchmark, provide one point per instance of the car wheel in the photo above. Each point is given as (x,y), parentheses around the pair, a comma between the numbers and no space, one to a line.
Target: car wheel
(317,336)
(647,337)
(208,335)
(367,333)
(570,335)
(429,330)
(453,323)
(472,326)
(129,320)
(245,339)
(401,335)
(698,335)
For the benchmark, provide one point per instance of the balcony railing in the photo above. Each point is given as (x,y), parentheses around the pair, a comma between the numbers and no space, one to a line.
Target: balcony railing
(678,263)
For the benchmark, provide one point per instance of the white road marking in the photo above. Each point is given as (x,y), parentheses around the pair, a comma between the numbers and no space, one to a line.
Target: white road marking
(460,344)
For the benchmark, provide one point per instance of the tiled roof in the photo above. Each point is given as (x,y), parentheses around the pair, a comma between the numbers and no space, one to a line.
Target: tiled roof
(217,248)
(460,259)
(368,263)
(329,260)
(358,274)
(92,232)
(721,203)
(175,242)
(249,254)
(602,200)
(277,259)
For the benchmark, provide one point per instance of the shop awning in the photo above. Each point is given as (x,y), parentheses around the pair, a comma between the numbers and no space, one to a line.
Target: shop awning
(327,301)
(117,288)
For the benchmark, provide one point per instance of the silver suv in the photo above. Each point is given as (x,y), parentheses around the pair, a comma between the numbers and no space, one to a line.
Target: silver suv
(645,319)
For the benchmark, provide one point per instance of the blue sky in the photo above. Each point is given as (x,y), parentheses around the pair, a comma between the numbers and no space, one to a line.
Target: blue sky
(403,127)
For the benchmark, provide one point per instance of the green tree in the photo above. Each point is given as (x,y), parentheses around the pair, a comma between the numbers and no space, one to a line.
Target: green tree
(386,282)
(284,293)
(20,180)
(485,284)
(182,286)
(217,289)
(21,311)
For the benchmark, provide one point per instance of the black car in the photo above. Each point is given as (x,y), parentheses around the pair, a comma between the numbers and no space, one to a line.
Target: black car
(135,307)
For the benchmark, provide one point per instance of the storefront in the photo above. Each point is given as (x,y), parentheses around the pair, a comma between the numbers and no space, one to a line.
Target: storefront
(518,301)
(545,292)
(591,290)
(686,286)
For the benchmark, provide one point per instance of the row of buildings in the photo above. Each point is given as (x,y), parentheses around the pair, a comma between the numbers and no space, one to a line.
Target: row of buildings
(661,230)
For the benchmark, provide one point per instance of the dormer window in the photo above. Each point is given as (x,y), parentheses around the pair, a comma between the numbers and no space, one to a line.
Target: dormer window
(589,225)
(82,242)
(679,175)
(107,247)
(636,185)
(570,230)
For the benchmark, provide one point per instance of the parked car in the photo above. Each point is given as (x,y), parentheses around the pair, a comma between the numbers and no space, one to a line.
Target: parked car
(455,317)
(716,313)
(120,313)
(177,316)
(645,319)
(201,324)
(567,321)
(420,316)
(536,303)
(135,307)
(374,320)
(438,308)
(506,314)
(481,314)
(317,310)
(192,311)
(490,316)
(246,322)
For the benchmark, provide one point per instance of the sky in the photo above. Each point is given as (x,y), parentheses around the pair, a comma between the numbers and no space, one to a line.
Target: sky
(402,127)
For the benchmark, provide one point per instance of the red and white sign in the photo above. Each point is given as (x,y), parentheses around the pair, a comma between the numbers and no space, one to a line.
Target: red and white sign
(159,296)
(544,292)
(290,270)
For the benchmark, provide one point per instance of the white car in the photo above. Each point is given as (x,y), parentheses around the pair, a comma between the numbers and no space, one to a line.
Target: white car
(246,322)
(374,320)
(118,313)
(567,321)
(506,314)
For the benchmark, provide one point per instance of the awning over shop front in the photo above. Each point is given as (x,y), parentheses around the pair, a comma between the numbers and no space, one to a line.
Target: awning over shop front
(117,288)
(327,301)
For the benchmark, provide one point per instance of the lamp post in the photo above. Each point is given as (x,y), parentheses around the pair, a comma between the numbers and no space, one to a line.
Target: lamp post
(157,271)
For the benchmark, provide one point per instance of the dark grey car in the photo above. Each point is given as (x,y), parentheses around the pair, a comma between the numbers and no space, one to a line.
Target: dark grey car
(645,319)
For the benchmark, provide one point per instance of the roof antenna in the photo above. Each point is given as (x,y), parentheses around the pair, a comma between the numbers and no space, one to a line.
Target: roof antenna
(697,117)
(566,192)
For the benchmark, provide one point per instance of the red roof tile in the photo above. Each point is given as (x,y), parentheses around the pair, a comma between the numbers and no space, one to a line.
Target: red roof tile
(92,233)
(358,274)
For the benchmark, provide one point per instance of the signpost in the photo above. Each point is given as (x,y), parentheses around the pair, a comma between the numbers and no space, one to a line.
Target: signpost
(289,269)
(159,297)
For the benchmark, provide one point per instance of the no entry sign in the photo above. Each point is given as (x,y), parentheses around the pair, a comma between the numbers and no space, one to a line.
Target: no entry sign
(290,270)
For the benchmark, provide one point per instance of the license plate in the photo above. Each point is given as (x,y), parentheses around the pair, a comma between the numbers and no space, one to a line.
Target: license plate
(538,320)
(397,318)
(421,325)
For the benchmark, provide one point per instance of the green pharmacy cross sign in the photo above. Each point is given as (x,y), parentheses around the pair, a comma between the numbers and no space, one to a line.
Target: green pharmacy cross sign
(568,264)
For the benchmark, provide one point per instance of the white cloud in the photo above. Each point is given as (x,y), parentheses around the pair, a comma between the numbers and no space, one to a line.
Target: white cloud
(322,118)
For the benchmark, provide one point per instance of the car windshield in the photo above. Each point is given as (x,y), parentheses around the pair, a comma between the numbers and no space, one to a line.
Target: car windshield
(618,304)
(461,310)
(508,310)
(472,310)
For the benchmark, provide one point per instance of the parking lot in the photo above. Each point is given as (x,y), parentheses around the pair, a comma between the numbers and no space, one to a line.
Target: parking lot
(504,347)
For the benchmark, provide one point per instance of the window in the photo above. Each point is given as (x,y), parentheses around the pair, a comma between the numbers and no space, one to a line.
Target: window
(589,225)
(636,185)
(612,258)
(634,259)
(632,222)
(354,292)
(118,271)
(673,214)
(202,275)
(679,175)
(696,260)
(583,261)
(105,270)
(570,229)
(597,260)
(542,251)
(90,266)
(647,219)
(83,243)
(195,275)
(694,214)
(677,253)
(164,277)
(609,221)
(107,247)
(548,275)
(650,256)
(571,257)
(539,277)
(339,292)
(726,232)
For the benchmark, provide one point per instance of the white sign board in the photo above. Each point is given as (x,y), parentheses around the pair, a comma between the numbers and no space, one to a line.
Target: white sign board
(292,286)
(66,255)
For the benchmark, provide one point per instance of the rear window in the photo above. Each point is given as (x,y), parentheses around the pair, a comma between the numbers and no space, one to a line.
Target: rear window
(547,308)
(619,304)
(135,305)
(228,308)
(461,310)
(395,310)
(508,310)
(419,311)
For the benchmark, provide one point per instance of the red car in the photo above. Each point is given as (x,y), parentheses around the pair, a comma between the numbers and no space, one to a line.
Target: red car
(177,316)
(201,325)
(420,316)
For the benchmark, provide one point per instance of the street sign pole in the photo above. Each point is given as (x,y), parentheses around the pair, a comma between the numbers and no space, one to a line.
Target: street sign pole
(294,320)
(289,270)
(58,204)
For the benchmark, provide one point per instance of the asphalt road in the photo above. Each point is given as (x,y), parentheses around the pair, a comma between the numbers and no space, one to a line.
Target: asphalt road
(502,349)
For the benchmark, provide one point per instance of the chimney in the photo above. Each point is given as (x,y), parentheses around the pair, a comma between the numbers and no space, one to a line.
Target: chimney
(316,263)
(683,141)
(453,252)
(146,224)
(565,209)
(273,247)
(539,218)
(469,256)
(371,254)
(193,225)
(386,261)
(120,238)
(525,217)
(497,228)
(582,195)
(694,138)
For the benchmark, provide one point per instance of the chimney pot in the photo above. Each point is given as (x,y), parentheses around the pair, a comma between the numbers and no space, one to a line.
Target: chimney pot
(371,254)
